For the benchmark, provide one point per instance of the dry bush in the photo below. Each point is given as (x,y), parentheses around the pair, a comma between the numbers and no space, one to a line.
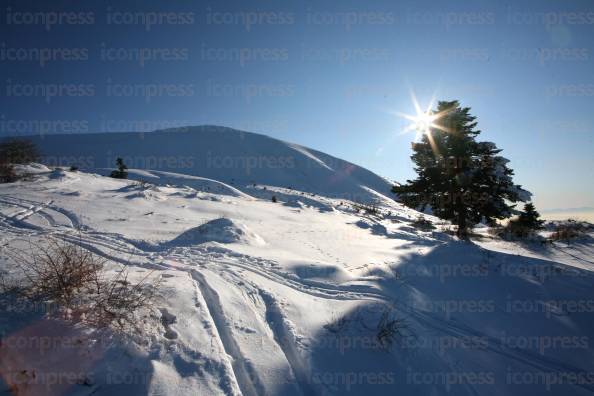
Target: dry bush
(143,184)
(337,325)
(423,224)
(74,280)
(513,230)
(56,271)
(379,321)
(569,229)
(7,173)
(371,209)
(448,229)
(389,329)
(117,300)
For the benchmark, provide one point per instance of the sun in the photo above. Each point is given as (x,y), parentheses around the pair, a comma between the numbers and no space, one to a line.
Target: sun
(423,121)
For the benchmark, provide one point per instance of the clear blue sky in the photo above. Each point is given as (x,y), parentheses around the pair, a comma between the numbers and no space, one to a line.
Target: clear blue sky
(328,75)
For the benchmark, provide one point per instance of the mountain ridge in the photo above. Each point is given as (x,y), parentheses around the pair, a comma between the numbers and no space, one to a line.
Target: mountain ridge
(237,157)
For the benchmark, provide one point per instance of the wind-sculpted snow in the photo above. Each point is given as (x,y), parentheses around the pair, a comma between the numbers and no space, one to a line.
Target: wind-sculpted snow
(218,230)
(234,157)
(304,296)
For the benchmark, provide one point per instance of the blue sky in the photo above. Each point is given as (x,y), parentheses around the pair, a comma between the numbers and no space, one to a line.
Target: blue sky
(328,75)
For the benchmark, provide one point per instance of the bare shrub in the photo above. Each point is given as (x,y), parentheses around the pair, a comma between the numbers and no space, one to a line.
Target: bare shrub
(118,300)
(370,209)
(337,325)
(389,329)
(379,321)
(569,229)
(142,184)
(74,279)
(7,173)
(56,271)
(514,230)
(422,223)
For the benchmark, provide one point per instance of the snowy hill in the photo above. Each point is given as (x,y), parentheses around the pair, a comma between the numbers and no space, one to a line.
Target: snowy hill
(235,157)
(294,297)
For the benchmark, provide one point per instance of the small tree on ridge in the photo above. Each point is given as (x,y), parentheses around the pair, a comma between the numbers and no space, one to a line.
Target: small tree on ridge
(121,172)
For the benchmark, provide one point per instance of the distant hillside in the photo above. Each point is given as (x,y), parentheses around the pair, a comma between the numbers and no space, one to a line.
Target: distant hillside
(235,157)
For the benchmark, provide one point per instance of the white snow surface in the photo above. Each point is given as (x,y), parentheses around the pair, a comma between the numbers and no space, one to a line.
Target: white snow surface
(285,298)
(237,158)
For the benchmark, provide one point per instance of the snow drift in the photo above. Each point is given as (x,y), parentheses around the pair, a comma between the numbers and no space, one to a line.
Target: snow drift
(305,314)
(220,230)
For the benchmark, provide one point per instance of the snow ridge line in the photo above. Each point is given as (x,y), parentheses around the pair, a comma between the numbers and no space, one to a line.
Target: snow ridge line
(244,373)
(278,325)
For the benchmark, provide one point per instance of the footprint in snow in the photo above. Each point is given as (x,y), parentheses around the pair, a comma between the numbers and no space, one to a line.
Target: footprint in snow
(167,319)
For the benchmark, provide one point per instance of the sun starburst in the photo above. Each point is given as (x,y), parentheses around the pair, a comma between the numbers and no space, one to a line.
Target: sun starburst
(424,120)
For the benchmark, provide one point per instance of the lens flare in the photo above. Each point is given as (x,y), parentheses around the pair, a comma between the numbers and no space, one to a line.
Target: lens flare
(424,121)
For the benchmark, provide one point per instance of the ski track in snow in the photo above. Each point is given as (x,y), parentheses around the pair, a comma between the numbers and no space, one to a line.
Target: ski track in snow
(46,210)
(113,246)
(277,323)
(280,328)
(197,260)
(244,373)
(116,243)
(252,264)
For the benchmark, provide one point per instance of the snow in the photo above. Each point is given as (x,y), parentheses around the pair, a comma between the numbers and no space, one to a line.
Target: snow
(218,230)
(236,158)
(285,298)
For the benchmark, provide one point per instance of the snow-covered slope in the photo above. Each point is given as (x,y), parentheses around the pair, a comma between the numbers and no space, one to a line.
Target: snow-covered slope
(292,298)
(235,157)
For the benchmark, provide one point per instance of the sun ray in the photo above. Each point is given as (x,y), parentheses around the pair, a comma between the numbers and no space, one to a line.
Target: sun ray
(415,103)
(432,143)
(424,120)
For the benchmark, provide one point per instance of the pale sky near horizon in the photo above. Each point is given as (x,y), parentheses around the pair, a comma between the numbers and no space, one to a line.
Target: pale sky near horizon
(329,75)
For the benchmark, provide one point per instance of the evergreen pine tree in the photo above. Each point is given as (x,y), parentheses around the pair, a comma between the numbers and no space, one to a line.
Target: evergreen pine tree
(460,179)
(121,173)
(18,151)
(530,218)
